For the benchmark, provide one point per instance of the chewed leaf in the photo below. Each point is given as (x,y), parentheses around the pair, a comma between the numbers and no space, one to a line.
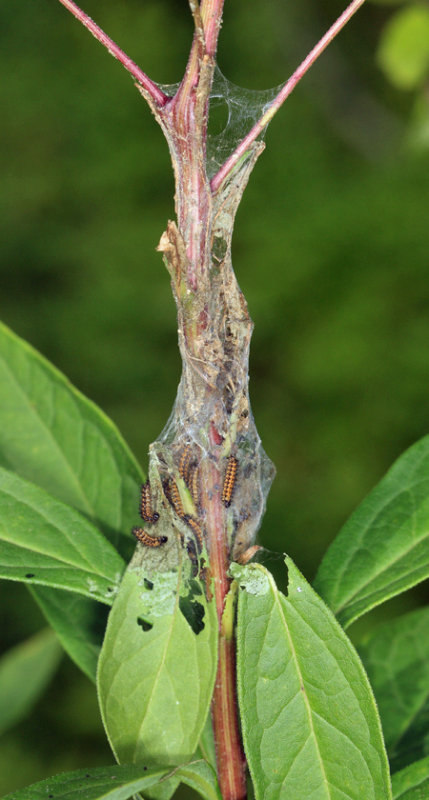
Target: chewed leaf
(46,542)
(156,670)
(383,549)
(309,720)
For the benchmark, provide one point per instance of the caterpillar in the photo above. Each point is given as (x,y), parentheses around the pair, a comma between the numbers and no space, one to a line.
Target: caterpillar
(145,507)
(194,484)
(173,496)
(149,541)
(185,464)
(229,481)
(248,554)
(196,530)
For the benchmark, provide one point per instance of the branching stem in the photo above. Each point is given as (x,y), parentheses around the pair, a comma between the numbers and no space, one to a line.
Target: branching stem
(284,92)
(212,412)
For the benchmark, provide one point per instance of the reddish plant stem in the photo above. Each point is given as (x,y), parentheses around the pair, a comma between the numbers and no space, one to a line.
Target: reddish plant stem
(231,762)
(211,12)
(207,18)
(155,92)
(284,92)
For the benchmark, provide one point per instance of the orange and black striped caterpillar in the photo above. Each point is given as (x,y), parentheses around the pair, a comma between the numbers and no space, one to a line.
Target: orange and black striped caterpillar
(145,508)
(149,541)
(188,471)
(172,494)
(194,485)
(196,529)
(229,480)
(186,463)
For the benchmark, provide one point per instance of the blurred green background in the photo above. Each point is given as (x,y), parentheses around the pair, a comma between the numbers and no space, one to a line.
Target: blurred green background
(330,249)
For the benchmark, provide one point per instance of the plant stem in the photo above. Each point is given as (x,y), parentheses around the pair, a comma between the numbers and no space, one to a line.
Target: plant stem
(155,92)
(211,12)
(212,414)
(284,92)
(231,762)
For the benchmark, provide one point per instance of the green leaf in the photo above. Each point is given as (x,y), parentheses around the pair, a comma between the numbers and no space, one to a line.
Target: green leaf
(309,720)
(207,743)
(412,783)
(403,51)
(46,542)
(79,624)
(118,783)
(25,671)
(201,777)
(102,783)
(162,791)
(55,437)
(396,657)
(156,674)
(383,549)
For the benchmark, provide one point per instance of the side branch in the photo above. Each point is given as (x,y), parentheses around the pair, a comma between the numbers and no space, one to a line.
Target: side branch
(153,90)
(284,92)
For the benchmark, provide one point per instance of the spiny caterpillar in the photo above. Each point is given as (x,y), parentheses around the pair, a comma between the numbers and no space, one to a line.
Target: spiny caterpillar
(145,508)
(229,481)
(194,485)
(149,541)
(196,530)
(185,464)
(173,496)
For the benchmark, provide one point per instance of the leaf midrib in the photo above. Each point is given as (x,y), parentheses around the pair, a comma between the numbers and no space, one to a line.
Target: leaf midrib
(62,563)
(280,609)
(347,601)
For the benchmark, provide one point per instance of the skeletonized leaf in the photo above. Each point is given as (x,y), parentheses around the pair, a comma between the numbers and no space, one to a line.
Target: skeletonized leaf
(25,671)
(309,720)
(396,658)
(46,542)
(158,661)
(383,549)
